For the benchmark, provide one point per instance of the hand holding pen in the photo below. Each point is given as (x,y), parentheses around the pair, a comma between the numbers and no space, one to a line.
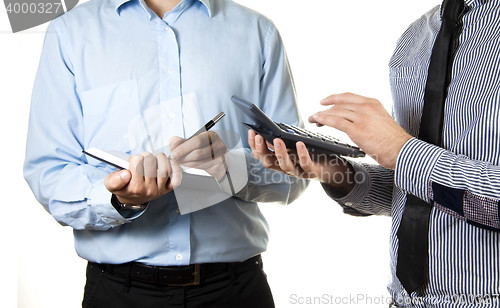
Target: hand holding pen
(200,147)
(203,150)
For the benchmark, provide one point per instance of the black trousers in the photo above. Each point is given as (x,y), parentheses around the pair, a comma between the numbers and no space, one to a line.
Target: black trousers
(230,288)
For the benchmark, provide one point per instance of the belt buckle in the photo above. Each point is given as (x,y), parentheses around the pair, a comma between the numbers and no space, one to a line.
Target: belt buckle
(196,279)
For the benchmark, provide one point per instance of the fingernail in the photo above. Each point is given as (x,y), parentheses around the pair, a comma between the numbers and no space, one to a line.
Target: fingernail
(277,145)
(125,175)
(258,141)
(173,156)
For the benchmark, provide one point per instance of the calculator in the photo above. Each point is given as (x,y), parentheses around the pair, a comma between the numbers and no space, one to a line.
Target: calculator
(290,134)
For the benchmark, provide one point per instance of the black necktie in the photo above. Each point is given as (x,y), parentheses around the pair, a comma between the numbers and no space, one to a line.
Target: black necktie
(413,254)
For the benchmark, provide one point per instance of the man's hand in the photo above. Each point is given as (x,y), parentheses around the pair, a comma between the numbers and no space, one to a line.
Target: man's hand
(205,151)
(149,177)
(368,125)
(328,169)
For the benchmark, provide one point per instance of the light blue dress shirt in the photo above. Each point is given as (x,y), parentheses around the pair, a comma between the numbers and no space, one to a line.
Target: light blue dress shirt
(108,63)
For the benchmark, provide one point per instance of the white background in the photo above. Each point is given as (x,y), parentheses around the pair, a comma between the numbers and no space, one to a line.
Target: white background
(333,46)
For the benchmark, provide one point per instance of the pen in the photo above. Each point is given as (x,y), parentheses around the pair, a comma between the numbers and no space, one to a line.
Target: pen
(209,124)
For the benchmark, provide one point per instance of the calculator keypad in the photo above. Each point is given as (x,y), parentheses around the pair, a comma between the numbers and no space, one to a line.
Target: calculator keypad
(301,131)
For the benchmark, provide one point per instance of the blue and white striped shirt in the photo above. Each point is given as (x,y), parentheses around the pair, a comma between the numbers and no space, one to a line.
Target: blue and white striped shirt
(462,178)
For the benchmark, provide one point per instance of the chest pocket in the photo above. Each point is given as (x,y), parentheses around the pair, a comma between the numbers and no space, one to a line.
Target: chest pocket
(107,112)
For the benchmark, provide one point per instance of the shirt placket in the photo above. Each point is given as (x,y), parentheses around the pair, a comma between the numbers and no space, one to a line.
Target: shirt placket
(170,90)
(170,79)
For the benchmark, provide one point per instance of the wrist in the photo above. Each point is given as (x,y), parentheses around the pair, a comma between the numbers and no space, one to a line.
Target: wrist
(395,151)
(340,177)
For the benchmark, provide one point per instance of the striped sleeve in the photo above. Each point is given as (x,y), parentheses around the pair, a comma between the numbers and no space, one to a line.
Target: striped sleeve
(467,188)
(372,193)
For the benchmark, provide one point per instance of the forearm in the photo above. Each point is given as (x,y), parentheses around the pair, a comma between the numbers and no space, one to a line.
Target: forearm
(469,188)
(74,194)
(340,181)
(369,190)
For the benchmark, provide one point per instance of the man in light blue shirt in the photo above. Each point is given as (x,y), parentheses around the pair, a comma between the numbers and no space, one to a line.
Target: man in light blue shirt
(114,75)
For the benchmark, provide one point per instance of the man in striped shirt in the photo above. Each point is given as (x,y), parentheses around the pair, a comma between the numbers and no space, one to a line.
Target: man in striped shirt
(461,178)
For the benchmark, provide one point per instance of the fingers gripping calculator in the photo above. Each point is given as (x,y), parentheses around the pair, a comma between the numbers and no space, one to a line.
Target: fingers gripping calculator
(290,134)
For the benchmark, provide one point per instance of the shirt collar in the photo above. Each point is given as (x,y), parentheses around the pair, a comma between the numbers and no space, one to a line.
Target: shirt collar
(469,3)
(118,4)
(208,6)
(473,3)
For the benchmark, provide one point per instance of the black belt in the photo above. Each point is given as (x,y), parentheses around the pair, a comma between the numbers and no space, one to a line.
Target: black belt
(175,276)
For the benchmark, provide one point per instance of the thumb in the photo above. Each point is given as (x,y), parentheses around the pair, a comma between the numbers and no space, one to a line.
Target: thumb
(117,180)
(175,176)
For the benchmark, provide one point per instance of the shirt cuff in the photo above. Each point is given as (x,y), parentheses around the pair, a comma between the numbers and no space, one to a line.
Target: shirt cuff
(415,164)
(100,201)
(236,177)
(353,201)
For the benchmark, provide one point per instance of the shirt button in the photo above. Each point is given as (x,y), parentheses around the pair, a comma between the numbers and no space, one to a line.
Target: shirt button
(167,28)
(170,71)
(171,115)
(178,211)
(178,257)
